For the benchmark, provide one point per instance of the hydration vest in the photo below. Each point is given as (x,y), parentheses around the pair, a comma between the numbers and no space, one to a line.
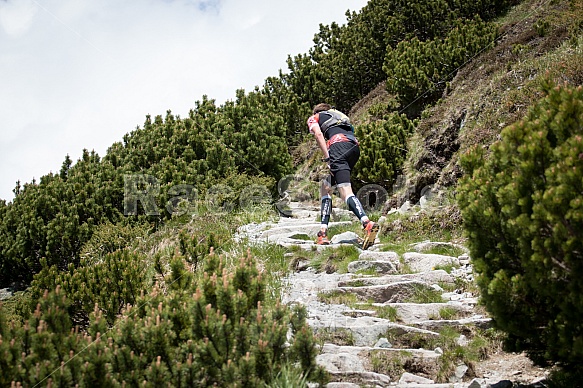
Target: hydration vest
(338,118)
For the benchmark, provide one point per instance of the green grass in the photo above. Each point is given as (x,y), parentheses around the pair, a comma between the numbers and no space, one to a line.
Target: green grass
(448,313)
(17,308)
(422,294)
(445,267)
(446,250)
(411,340)
(338,297)
(337,229)
(480,345)
(387,312)
(336,336)
(289,377)
(332,260)
(390,364)
(302,236)
(401,231)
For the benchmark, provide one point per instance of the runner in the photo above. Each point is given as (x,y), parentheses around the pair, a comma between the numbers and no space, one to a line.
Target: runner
(335,137)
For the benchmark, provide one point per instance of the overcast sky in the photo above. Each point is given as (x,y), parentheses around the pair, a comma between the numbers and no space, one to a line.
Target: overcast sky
(80,74)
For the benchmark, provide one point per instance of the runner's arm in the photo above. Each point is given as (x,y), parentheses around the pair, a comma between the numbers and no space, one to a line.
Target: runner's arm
(315,129)
(320,140)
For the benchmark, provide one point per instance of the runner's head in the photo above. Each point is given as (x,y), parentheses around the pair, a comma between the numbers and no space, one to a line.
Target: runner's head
(321,108)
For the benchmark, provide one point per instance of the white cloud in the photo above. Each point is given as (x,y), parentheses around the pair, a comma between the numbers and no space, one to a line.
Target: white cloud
(16,16)
(80,74)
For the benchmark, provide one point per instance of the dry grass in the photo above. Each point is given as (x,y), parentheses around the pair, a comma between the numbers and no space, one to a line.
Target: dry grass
(539,39)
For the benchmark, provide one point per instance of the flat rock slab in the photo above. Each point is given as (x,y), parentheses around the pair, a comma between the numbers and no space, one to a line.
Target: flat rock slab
(425,246)
(364,378)
(311,246)
(409,378)
(365,330)
(311,229)
(379,267)
(414,385)
(418,312)
(379,256)
(387,293)
(365,350)
(430,277)
(346,238)
(459,324)
(341,362)
(423,262)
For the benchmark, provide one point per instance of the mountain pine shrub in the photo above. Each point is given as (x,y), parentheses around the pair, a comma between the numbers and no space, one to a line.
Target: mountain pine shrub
(522,207)
(418,70)
(383,148)
(217,331)
(111,281)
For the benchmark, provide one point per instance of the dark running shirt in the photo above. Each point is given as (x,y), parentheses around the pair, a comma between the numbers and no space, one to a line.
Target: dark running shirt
(322,117)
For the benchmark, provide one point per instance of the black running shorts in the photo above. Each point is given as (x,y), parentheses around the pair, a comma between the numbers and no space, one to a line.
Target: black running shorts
(343,157)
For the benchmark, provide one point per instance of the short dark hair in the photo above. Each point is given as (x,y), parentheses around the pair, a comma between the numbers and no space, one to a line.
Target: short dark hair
(321,107)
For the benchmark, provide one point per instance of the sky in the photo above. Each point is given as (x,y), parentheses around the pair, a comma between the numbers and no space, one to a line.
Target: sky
(78,74)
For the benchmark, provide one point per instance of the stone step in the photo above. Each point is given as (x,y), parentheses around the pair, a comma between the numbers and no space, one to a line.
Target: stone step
(328,348)
(418,312)
(423,262)
(360,379)
(310,245)
(379,267)
(352,363)
(458,324)
(365,330)
(387,293)
(307,228)
(425,246)
(429,277)
(436,385)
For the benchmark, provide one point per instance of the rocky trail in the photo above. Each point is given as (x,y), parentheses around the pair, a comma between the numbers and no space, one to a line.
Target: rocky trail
(379,324)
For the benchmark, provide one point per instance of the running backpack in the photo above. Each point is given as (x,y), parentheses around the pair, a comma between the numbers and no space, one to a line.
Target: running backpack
(338,118)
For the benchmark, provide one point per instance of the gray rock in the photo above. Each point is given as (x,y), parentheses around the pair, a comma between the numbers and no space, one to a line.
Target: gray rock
(405,207)
(409,378)
(419,312)
(383,343)
(437,325)
(459,373)
(291,228)
(423,202)
(345,238)
(387,293)
(366,378)
(457,385)
(477,383)
(338,213)
(342,385)
(379,256)
(341,362)
(462,340)
(430,277)
(302,265)
(422,262)
(303,214)
(437,287)
(376,247)
(365,330)
(380,267)
(5,293)
(425,246)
